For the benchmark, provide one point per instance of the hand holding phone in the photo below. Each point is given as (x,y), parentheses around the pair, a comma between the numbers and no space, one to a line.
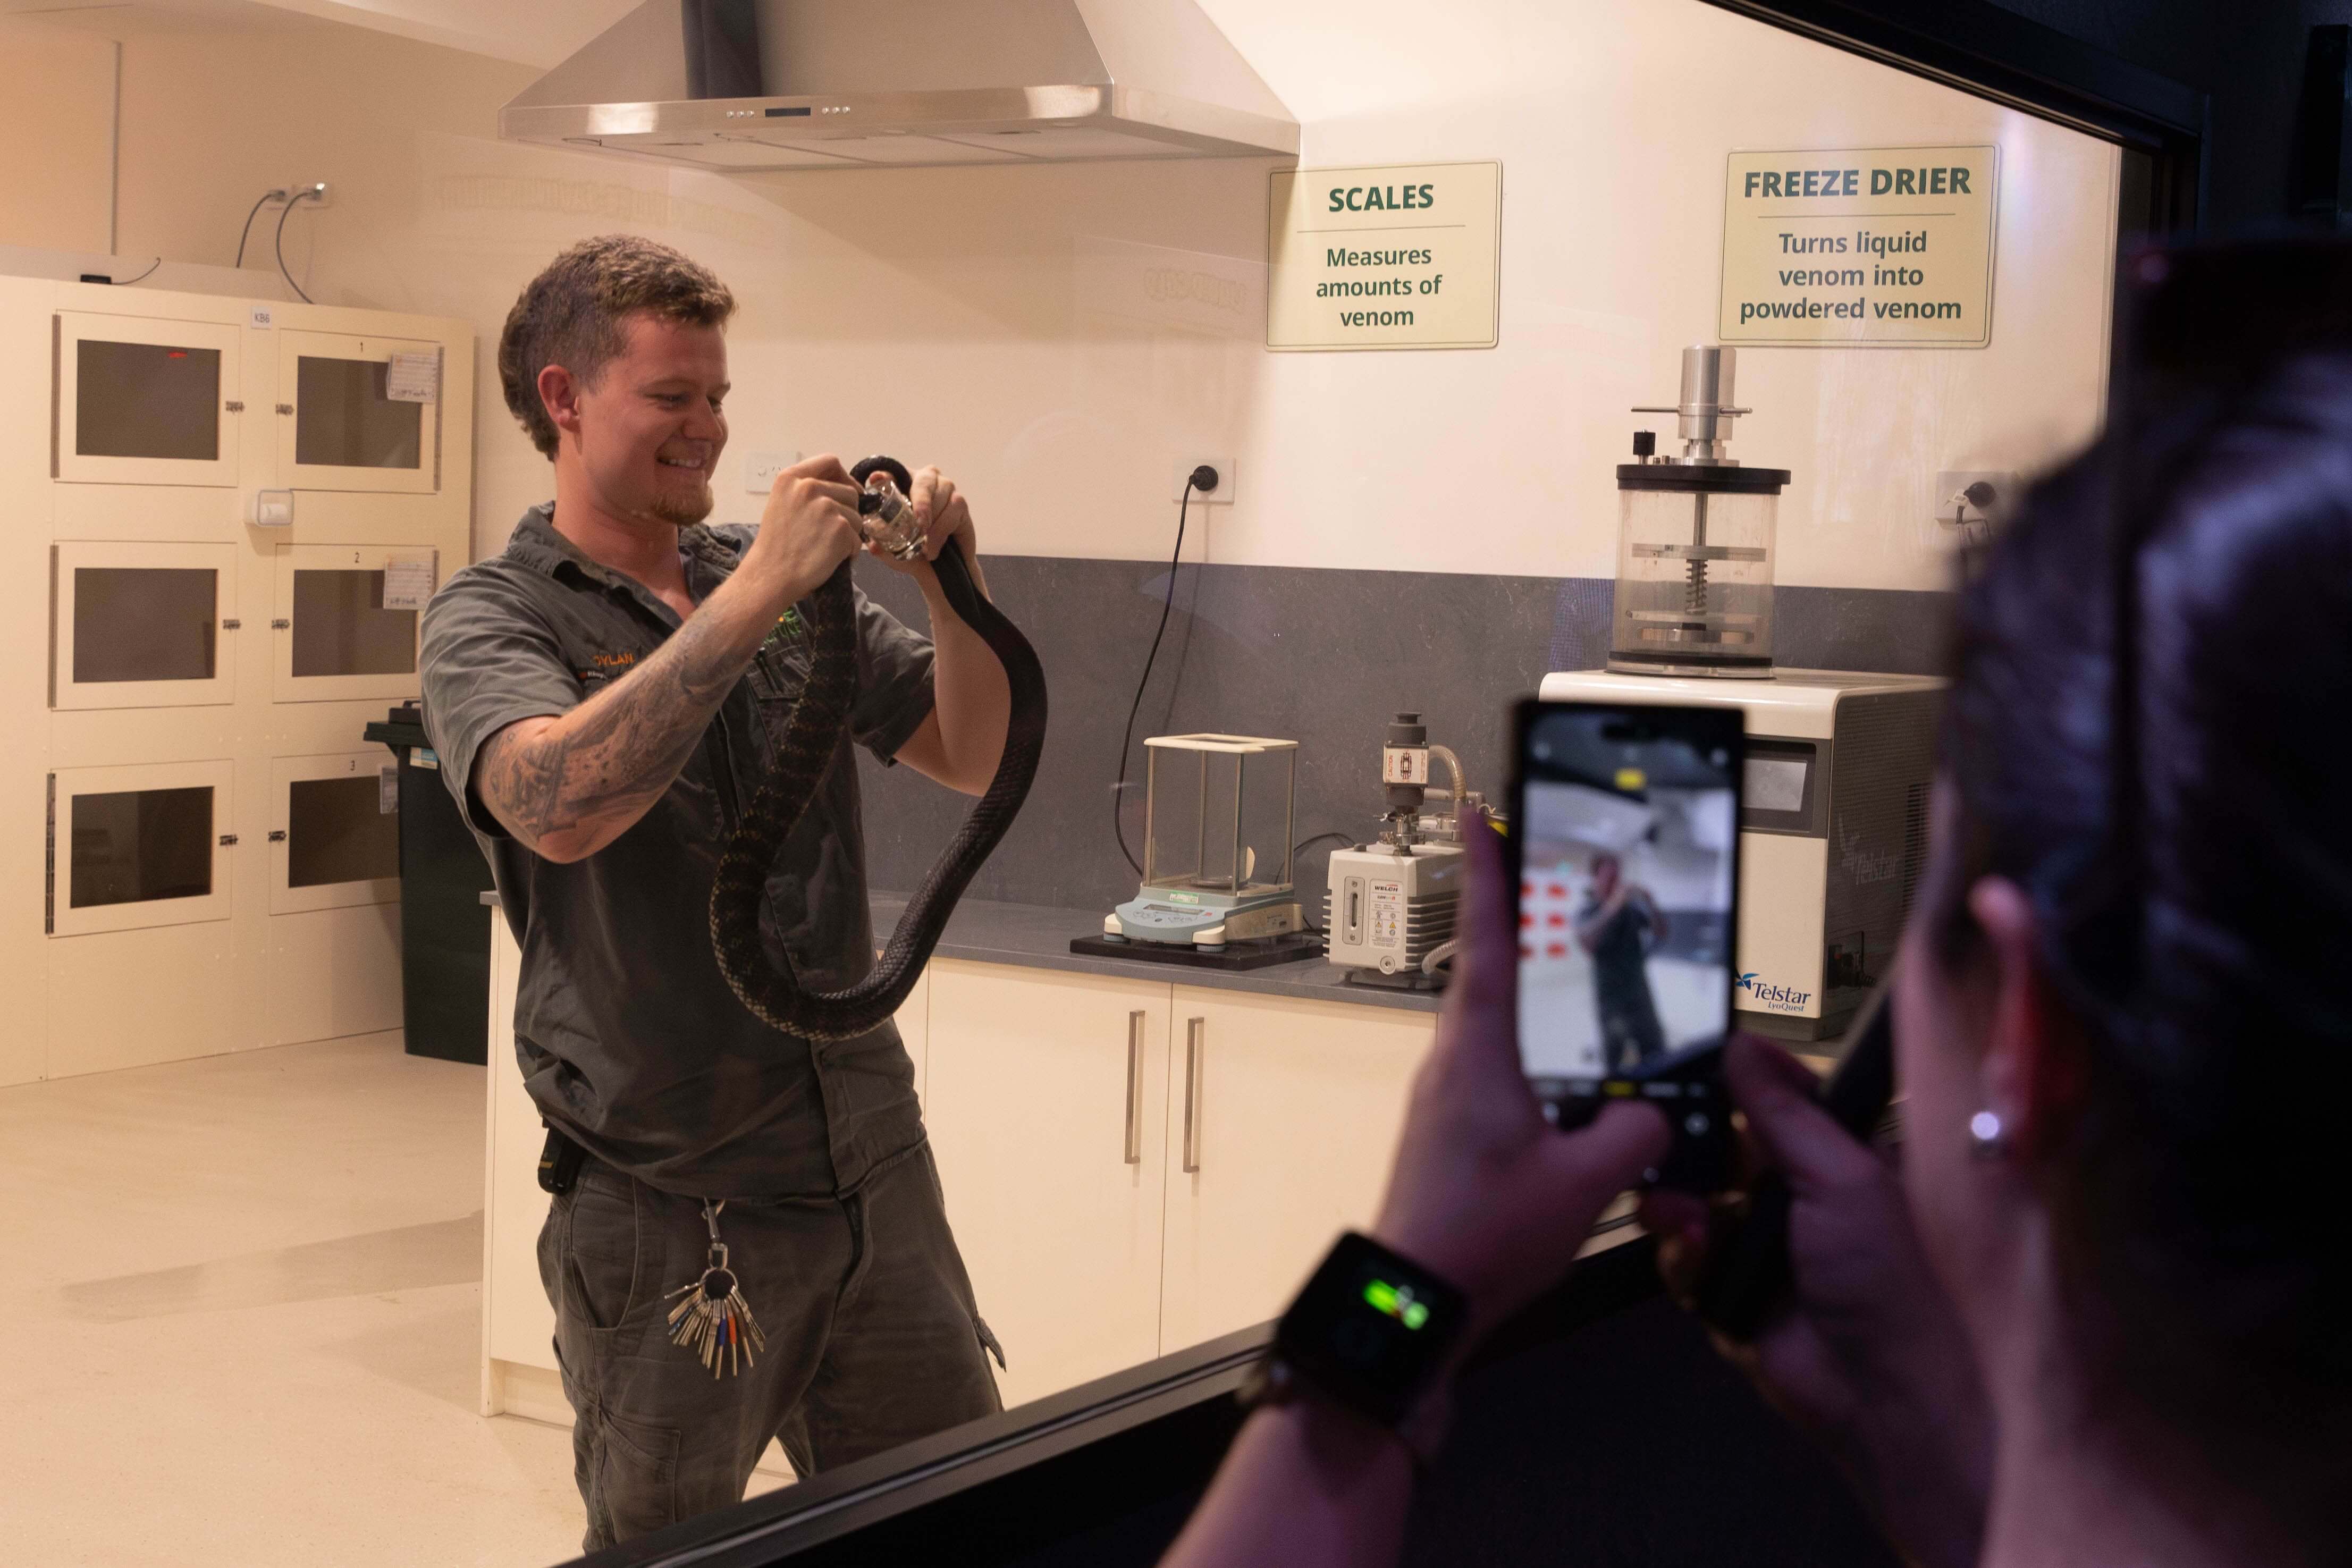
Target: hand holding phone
(1625,849)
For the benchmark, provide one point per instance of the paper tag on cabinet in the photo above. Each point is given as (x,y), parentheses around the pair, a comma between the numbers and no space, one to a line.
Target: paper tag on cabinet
(409,578)
(387,790)
(414,377)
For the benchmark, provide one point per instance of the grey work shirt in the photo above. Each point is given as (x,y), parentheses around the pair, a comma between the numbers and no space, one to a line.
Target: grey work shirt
(629,1039)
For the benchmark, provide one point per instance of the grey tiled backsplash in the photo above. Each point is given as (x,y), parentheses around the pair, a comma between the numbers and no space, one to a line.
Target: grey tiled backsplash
(1321,657)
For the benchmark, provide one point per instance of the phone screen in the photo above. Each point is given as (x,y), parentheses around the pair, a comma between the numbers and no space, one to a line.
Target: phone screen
(1627,834)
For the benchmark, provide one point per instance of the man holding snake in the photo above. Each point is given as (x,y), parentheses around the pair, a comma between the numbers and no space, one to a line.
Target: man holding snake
(603,697)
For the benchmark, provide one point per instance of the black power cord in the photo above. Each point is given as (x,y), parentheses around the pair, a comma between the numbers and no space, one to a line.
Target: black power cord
(246,232)
(1204,479)
(279,244)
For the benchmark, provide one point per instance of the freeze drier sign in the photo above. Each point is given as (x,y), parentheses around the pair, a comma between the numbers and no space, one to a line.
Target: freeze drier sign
(1396,257)
(1879,244)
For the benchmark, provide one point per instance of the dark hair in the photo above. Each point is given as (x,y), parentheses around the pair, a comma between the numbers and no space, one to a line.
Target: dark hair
(2195,1191)
(570,315)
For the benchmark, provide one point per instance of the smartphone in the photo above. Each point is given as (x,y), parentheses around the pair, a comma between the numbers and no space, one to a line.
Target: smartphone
(1625,849)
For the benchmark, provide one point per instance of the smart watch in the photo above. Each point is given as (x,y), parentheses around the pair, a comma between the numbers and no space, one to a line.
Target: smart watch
(1371,1330)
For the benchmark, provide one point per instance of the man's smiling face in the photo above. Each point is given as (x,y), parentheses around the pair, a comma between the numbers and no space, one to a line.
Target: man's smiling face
(651,426)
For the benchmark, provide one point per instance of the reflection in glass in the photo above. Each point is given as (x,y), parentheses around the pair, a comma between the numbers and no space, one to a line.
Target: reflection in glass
(340,626)
(146,400)
(337,831)
(132,847)
(343,420)
(144,623)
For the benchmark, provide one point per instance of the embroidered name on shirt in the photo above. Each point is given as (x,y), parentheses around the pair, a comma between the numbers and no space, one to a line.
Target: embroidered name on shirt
(607,664)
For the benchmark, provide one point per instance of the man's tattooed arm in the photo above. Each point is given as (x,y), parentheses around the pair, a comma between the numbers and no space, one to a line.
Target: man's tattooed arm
(568,786)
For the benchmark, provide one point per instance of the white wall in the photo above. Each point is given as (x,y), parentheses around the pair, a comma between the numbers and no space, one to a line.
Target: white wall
(1057,337)
(57,115)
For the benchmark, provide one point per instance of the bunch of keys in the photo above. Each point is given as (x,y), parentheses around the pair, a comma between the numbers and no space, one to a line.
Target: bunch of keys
(714,1321)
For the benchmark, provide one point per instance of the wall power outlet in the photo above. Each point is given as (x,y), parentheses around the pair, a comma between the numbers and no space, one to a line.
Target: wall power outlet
(760,468)
(1973,498)
(1228,481)
(312,192)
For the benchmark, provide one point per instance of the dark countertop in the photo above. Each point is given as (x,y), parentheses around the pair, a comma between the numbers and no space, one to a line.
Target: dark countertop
(1038,937)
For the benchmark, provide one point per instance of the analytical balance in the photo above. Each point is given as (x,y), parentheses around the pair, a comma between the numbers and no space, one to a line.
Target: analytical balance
(1218,812)
(1389,909)
(1834,826)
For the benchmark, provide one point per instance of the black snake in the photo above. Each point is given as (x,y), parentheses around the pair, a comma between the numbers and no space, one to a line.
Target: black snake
(811,739)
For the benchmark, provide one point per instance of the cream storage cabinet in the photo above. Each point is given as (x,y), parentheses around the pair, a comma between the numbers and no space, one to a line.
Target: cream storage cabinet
(1048,1104)
(1135,1166)
(201,597)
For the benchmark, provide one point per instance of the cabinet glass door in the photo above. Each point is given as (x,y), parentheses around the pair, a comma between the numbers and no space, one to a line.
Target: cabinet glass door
(335,831)
(335,639)
(344,431)
(145,402)
(142,625)
(143,845)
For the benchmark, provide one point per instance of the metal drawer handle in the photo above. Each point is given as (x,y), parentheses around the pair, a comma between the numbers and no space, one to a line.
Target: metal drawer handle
(228,838)
(1192,1058)
(278,835)
(1135,1088)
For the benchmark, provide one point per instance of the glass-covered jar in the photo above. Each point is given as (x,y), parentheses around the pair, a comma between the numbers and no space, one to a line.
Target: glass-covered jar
(1694,569)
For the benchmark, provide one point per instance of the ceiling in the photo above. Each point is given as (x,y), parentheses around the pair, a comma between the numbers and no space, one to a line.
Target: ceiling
(529,32)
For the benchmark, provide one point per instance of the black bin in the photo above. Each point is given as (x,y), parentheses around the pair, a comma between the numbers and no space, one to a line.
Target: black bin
(445,928)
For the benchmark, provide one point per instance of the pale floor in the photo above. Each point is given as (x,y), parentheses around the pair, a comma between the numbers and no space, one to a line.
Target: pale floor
(242,1297)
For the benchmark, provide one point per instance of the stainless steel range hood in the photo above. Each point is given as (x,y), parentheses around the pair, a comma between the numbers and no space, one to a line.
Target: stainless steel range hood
(749,85)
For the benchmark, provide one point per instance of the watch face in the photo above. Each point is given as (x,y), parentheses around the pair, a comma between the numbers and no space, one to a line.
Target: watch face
(1370,1327)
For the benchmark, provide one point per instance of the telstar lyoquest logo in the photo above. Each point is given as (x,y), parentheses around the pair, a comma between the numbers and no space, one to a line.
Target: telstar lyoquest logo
(1775,998)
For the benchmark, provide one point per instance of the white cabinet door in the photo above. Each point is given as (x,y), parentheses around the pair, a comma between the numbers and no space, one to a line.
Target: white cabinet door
(142,625)
(146,402)
(338,430)
(1282,1119)
(336,640)
(141,845)
(335,831)
(1045,1096)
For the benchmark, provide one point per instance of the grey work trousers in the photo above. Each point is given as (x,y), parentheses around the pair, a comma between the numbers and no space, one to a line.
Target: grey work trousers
(873,1339)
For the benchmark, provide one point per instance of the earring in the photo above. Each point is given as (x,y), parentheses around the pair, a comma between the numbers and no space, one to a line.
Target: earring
(1986,1140)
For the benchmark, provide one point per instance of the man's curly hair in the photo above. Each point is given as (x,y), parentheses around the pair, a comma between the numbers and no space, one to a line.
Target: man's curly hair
(572,313)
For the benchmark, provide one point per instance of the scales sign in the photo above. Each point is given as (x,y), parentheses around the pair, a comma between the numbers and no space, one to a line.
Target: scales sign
(1884,244)
(1398,258)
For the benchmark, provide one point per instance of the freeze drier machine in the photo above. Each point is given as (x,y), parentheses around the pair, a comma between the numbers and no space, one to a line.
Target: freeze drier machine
(1834,829)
